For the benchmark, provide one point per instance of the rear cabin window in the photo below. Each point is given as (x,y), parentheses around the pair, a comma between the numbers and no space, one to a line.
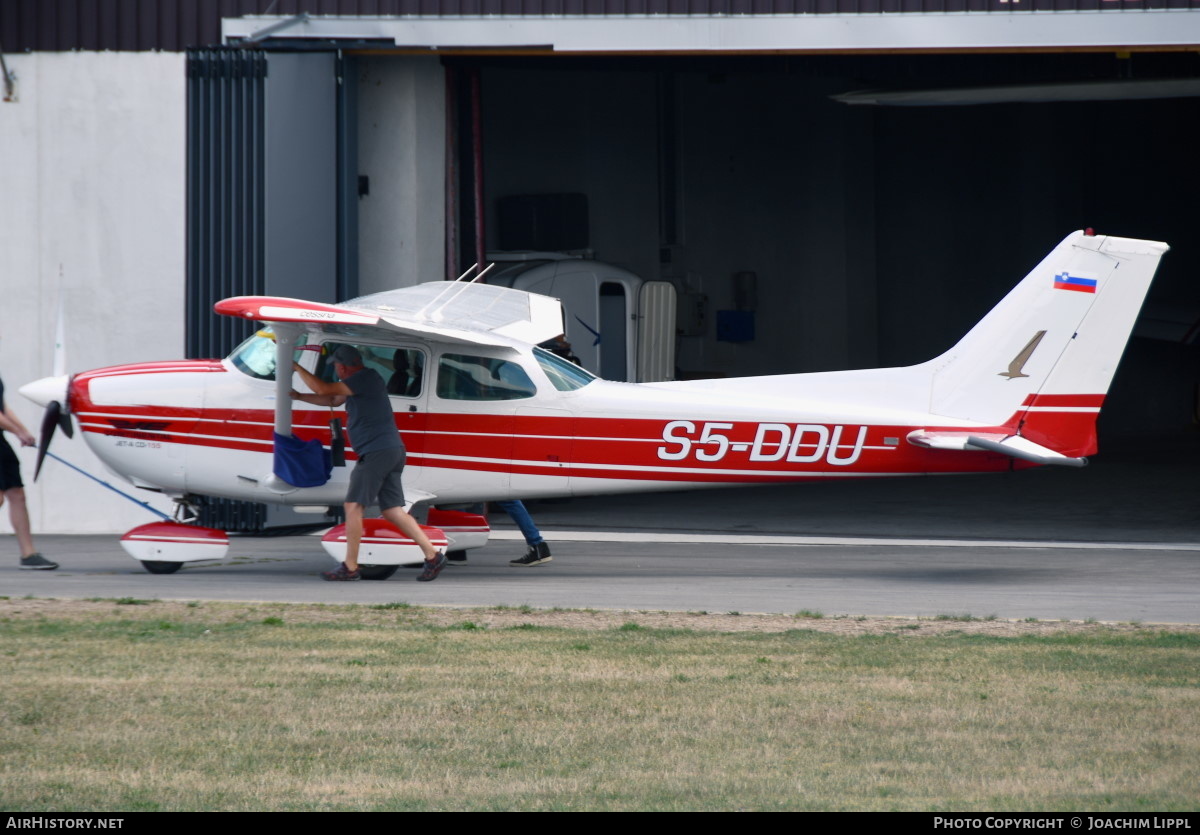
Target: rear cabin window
(465,377)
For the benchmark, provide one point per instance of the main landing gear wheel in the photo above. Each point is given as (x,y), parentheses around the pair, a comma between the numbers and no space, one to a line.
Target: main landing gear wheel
(377,572)
(161,566)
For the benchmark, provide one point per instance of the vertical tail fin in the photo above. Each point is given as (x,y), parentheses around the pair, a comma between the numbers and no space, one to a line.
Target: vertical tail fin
(1042,360)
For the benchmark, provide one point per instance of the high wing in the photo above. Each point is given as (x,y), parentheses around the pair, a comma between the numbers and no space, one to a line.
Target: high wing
(457,312)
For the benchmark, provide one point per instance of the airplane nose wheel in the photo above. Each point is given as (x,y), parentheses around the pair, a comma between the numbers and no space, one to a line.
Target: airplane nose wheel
(377,572)
(186,512)
(163,547)
(160,566)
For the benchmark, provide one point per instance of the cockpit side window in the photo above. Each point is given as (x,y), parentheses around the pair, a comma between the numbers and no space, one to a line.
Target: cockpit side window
(401,368)
(465,377)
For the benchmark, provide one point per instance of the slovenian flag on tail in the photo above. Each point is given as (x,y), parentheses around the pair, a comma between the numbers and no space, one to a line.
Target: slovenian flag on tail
(1078,283)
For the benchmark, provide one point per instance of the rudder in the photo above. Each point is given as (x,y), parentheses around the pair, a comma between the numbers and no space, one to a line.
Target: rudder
(1042,360)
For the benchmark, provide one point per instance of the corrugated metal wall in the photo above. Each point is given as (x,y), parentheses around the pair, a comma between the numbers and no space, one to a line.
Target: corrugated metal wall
(118,25)
(226,241)
(177,25)
(226,244)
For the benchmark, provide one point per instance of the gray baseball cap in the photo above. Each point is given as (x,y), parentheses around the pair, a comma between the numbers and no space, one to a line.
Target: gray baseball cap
(348,356)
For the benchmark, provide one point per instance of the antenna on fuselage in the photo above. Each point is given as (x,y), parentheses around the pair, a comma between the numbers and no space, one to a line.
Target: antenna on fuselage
(478,276)
(460,284)
(449,287)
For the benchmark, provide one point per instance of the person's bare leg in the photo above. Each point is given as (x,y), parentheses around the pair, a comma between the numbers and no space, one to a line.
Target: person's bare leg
(354,532)
(409,526)
(18,514)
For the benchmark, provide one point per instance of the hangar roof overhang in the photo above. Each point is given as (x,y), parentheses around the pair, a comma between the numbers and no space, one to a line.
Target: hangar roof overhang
(968,31)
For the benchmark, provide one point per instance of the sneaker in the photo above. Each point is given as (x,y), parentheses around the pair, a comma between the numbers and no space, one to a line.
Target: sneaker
(536,555)
(455,558)
(432,568)
(36,562)
(342,573)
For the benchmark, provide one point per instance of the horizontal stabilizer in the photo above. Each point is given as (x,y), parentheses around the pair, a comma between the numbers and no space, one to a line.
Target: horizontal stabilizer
(1014,446)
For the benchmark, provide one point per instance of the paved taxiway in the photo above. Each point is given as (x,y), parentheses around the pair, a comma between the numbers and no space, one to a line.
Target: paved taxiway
(1119,541)
(762,574)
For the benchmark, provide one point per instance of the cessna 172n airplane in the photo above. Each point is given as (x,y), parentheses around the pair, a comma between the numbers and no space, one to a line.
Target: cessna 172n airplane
(488,415)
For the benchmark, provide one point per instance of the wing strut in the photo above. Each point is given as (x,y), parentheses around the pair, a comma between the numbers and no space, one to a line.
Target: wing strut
(296,463)
(286,336)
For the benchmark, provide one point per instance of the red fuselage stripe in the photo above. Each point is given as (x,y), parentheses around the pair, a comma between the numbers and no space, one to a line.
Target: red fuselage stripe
(1064,400)
(640,449)
(600,448)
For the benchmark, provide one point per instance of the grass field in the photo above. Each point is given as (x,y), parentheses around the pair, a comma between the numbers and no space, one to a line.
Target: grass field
(136,705)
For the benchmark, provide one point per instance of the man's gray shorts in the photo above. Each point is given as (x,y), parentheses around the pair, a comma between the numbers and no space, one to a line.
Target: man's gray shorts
(375,479)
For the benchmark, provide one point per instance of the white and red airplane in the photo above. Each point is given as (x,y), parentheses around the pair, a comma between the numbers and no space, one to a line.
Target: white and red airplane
(487,415)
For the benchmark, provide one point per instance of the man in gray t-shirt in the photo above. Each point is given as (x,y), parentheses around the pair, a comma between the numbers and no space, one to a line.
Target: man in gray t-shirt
(372,426)
(376,477)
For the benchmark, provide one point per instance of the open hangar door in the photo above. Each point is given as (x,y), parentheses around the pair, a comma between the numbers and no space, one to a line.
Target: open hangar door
(804,233)
(831,235)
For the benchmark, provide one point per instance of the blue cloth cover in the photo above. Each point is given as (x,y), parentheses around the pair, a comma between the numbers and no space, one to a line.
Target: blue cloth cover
(301,463)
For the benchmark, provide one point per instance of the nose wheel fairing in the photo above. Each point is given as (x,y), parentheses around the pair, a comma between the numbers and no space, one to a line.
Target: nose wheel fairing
(163,546)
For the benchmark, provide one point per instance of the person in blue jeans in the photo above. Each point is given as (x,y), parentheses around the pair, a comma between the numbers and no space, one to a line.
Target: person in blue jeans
(539,551)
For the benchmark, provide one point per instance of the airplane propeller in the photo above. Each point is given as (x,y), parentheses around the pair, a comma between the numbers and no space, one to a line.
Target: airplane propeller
(54,416)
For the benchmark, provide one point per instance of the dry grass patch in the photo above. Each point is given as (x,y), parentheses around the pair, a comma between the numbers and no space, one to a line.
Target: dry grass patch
(109,706)
(504,617)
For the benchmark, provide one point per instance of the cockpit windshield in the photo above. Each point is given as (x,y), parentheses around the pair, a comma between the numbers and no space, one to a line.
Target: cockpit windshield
(564,374)
(256,356)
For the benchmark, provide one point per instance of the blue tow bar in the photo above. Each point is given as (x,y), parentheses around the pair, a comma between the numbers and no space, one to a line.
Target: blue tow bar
(138,502)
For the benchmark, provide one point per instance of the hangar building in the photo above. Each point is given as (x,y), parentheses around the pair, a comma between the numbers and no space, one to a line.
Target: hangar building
(827,184)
